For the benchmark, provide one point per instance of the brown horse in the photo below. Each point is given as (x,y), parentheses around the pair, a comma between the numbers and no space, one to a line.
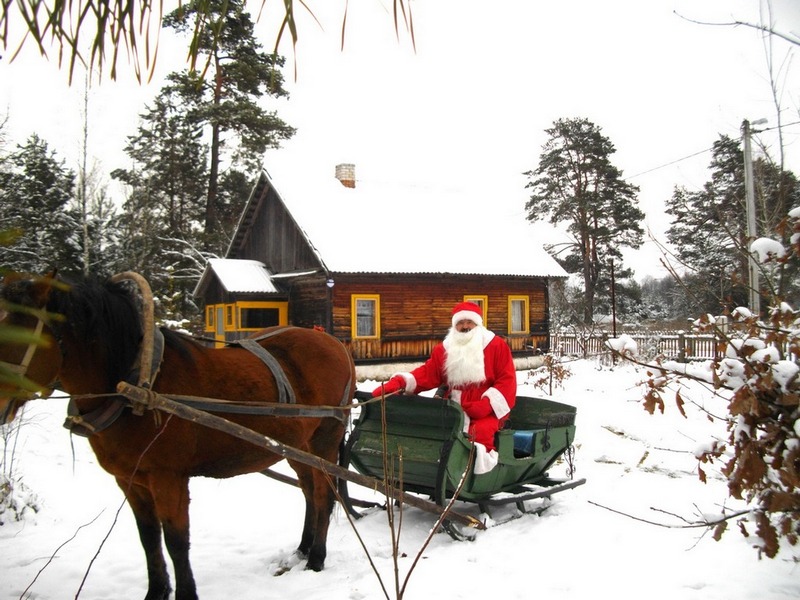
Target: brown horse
(95,332)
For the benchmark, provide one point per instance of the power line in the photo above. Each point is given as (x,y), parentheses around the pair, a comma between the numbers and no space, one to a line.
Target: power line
(670,163)
(677,160)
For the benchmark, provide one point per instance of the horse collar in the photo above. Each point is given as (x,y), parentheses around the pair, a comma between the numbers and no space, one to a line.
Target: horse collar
(106,415)
(157,355)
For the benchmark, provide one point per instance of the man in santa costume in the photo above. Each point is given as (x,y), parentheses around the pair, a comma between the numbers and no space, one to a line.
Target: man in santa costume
(477,368)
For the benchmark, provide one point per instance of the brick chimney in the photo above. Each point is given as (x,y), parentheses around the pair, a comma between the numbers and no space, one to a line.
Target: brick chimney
(346,174)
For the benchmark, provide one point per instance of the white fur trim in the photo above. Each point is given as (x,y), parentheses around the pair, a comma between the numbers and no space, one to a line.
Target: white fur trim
(411,382)
(484,461)
(467,314)
(498,402)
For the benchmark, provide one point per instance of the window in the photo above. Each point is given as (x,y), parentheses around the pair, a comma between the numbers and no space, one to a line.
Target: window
(210,317)
(230,324)
(259,318)
(258,315)
(518,321)
(365,312)
(482,301)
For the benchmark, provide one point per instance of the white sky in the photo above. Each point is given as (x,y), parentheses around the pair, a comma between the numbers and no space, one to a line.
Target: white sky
(470,106)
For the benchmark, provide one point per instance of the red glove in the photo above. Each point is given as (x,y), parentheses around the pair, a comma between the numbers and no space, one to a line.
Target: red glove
(395,384)
(478,409)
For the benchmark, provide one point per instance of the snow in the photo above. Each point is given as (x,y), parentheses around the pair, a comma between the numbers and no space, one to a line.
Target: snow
(624,345)
(239,276)
(620,535)
(767,248)
(360,229)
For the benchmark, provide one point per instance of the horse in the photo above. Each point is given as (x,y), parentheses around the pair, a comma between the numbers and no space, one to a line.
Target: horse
(92,331)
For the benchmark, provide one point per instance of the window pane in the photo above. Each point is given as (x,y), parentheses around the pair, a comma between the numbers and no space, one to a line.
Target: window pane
(259,318)
(365,318)
(517,315)
(479,302)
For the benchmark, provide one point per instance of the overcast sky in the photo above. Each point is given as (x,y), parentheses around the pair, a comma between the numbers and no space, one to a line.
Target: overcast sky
(470,105)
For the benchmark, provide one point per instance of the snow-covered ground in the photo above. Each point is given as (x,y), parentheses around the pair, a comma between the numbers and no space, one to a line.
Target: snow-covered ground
(595,541)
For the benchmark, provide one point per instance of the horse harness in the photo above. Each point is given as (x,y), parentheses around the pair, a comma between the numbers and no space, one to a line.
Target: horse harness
(106,415)
(103,417)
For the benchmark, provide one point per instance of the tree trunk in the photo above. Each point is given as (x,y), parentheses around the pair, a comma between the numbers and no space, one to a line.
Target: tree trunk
(213,175)
(588,282)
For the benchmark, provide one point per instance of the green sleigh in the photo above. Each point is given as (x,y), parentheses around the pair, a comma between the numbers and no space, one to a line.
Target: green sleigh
(427,452)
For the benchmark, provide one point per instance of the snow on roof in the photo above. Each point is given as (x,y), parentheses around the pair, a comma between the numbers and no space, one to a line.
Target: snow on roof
(240,276)
(380,227)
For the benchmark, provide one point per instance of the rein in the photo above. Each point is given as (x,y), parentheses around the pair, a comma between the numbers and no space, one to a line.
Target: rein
(105,416)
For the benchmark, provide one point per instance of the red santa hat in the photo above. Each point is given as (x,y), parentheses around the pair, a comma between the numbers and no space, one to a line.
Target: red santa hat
(467,310)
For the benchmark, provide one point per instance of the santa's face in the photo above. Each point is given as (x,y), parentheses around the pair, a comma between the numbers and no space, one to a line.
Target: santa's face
(465,325)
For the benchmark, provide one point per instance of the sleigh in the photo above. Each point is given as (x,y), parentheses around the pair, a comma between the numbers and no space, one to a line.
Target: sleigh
(418,444)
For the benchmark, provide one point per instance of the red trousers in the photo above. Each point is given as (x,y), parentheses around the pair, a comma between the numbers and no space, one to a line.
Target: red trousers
(483,430)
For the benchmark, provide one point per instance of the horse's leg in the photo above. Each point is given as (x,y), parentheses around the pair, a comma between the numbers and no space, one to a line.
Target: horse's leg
(306,480)
(318,491)
(143,506)
(171,493)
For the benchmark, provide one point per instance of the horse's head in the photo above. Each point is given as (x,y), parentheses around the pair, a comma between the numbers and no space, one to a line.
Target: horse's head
(29,357)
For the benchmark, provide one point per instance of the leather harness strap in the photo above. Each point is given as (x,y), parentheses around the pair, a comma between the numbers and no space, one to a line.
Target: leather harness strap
(143,375)
(95,420)
(285,391)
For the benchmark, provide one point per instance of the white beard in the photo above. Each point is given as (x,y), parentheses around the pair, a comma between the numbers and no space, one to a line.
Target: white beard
(463,361)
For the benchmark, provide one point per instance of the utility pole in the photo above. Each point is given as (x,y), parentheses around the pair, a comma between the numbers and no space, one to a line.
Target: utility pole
(750,201)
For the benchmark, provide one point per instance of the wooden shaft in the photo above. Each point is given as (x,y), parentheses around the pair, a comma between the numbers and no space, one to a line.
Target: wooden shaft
(153,400)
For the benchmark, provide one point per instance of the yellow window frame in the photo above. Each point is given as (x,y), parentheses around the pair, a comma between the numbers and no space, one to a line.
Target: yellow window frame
(211,310)
(526,314)
(482,301)
(283,312)
(230,317)
(354,315)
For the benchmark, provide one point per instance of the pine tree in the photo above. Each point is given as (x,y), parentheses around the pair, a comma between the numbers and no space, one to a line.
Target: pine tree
(35,191)
(225,99)
(709,227)
(163,213)
(576,184)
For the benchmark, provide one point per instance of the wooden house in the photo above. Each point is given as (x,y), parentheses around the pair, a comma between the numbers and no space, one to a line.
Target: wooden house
(379,266)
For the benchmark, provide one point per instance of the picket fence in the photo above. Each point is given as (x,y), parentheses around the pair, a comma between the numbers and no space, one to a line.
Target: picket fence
(676,345)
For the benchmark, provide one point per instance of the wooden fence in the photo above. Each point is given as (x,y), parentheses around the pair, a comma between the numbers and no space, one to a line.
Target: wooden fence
(674,345)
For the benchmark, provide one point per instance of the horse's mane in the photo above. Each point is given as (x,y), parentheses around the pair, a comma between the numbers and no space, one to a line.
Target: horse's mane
(181,342)
(104,314)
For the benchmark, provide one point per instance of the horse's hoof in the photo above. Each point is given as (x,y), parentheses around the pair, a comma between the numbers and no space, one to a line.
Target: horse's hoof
(315,565)
(286,564)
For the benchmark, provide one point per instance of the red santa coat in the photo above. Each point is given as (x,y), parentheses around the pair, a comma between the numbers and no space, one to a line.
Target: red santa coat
(499,387)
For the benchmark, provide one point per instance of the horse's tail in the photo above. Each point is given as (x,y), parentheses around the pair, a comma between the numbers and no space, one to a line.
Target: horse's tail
(350,388)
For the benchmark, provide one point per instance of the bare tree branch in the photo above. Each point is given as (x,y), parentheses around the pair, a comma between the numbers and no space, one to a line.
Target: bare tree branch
(791,38)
